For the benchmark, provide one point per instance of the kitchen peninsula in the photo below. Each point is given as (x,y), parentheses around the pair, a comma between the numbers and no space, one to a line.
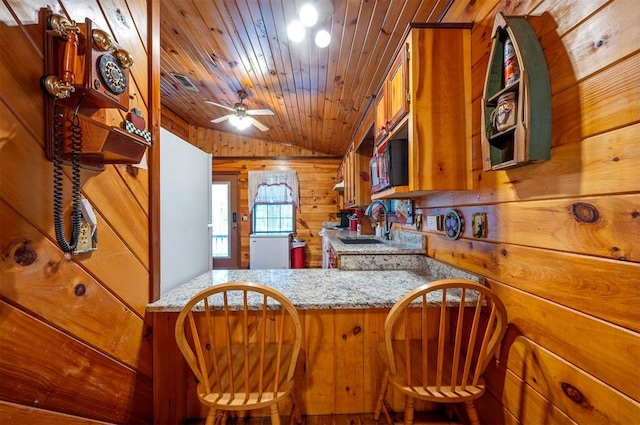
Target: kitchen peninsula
(343,315)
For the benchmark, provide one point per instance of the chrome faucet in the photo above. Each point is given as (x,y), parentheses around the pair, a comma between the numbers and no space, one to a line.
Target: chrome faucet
(385,228)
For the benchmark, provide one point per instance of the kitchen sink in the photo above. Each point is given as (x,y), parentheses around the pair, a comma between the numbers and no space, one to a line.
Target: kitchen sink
(360,240)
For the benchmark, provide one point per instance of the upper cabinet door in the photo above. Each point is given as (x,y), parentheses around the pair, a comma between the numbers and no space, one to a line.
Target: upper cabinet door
(398,88)
(380,126)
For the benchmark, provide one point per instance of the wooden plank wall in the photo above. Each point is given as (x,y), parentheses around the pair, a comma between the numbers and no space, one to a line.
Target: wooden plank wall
(74,343)
(571,282)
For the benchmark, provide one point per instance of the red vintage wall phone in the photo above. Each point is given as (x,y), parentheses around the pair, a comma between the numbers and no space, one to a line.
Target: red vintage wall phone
(85,72)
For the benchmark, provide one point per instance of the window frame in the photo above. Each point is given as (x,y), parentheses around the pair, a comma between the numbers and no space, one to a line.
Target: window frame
(280,217)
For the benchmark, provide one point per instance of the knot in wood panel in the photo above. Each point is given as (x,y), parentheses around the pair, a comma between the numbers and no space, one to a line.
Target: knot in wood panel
(585,213)
(575,395)
(79,289)
(21,252)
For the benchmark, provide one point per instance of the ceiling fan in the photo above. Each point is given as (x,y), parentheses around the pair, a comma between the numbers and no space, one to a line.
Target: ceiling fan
(241,117)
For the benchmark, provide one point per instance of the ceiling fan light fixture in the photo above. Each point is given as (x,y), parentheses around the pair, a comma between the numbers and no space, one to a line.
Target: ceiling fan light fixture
(308,15)
(323,38)
(238,122)
(296,31)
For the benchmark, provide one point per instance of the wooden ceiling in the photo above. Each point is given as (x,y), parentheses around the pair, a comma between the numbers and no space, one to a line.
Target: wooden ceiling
(318,95)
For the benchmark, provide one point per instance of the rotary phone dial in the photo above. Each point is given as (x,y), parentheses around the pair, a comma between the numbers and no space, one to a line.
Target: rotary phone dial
(112,74)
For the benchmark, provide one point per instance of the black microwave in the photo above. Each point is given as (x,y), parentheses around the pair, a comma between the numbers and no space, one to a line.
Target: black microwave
(389,166)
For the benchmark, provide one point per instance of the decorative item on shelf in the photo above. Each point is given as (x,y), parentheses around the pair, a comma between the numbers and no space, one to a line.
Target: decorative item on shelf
(504,116)
(135,124)
(453,224)
(511,67)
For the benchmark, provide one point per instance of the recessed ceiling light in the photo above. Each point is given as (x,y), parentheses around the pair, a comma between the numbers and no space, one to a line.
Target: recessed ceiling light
(296,31)
(323,38)
(308,15)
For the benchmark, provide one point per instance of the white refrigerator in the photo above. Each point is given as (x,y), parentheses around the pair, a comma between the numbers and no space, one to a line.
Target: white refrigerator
(270,251)
(185,211)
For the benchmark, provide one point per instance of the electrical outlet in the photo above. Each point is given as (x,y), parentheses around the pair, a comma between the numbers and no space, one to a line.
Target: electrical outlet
(432,222)
(86,240)
(88,237)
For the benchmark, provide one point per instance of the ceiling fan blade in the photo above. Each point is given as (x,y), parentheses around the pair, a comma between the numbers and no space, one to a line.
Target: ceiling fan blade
(217,120)
(257,123)
(220,105)
(260,112)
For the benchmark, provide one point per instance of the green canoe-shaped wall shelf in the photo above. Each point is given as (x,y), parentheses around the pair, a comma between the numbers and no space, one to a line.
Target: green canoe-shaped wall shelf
(516,105)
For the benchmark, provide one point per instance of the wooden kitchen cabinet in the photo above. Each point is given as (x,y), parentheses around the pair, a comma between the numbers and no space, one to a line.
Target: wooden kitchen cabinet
(513,95)
(380,106)
(431,103)
(392,100)
(398,89)
(355,172)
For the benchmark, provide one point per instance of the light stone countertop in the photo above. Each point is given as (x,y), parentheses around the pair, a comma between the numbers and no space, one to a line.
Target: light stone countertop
(310,289)
(401,245)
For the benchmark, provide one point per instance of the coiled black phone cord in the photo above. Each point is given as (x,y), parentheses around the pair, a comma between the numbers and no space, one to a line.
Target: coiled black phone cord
(76,148)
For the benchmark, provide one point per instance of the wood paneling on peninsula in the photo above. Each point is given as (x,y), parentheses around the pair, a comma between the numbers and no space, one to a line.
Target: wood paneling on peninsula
(561,247)
(342,375)
(74,344)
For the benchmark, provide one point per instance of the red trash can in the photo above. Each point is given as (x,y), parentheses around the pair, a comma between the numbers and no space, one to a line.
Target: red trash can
(297,254)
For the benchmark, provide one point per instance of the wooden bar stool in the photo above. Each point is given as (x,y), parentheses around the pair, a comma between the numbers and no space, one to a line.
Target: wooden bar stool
(438,340)
(242,341)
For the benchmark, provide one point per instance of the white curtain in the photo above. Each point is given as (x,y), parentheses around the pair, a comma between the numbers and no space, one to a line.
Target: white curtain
(273,187)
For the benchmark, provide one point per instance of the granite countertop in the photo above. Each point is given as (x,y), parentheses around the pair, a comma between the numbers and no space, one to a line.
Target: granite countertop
(311,289)
(400,244)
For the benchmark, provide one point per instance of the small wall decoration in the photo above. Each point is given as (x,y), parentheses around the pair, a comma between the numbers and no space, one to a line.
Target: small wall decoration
(403,210)
(479,222)
(453,224)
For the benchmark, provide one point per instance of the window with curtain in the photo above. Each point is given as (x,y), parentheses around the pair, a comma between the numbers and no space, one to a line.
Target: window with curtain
(273,198)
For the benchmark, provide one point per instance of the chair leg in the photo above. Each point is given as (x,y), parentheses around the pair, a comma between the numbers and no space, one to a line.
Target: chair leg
(472,412)
(381,394)
(211,416)
(408,410)
(275,415)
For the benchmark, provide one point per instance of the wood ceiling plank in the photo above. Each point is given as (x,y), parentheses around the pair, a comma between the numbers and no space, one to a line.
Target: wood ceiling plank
(256,61)
(336,76)
(318,95)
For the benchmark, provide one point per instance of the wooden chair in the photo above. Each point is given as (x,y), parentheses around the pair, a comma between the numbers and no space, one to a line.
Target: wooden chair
(438,340)
(243,345)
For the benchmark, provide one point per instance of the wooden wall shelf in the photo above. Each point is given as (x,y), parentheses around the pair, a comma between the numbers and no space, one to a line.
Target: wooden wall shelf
(528,138)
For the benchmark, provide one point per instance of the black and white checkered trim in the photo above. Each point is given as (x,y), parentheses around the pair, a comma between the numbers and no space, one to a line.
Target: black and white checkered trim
(128,126)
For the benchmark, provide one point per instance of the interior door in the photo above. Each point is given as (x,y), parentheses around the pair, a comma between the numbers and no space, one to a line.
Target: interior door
(225,222)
